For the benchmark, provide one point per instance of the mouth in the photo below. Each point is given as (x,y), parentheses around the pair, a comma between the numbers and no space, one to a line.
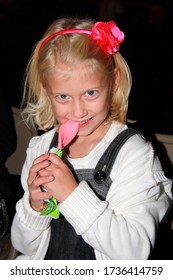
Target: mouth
(84,123)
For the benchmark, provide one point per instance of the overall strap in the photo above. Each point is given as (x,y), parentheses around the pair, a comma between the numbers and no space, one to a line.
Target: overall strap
(54,141)
(118,141)
(104,166)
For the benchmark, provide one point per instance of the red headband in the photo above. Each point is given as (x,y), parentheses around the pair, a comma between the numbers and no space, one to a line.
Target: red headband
(107,35)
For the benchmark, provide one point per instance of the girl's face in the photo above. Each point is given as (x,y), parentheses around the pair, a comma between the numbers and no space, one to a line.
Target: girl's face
(80,93)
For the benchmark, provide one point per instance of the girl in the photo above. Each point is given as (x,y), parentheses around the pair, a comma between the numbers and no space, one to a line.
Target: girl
(76,73)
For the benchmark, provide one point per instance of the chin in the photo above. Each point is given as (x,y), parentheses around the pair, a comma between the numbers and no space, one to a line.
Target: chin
(85,131)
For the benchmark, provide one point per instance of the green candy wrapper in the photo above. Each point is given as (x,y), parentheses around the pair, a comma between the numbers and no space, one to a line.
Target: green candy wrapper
(50,208)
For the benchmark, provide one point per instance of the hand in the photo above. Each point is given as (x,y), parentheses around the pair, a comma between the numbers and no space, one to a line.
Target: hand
(64,182)
(35,182)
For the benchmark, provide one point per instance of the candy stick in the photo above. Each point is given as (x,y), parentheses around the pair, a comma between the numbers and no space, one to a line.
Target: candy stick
(67,132)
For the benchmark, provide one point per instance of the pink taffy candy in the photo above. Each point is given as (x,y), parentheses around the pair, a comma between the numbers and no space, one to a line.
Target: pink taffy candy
(67,131)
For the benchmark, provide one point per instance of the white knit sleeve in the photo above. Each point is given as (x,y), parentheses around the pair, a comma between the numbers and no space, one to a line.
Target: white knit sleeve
(30,232)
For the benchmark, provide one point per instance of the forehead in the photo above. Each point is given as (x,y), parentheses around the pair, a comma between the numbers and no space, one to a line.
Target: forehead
(84,70)
(86,66)
(75,78)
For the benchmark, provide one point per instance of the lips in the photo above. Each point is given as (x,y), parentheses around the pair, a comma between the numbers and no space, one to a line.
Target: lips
(84,123)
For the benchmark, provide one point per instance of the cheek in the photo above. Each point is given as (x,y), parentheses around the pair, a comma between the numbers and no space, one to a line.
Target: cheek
(104,105)
(58,110)
(61,112)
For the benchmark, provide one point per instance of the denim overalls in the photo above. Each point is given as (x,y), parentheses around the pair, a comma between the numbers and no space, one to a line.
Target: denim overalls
(65,244)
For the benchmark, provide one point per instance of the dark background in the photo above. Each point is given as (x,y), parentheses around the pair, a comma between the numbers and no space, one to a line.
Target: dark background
(146,48)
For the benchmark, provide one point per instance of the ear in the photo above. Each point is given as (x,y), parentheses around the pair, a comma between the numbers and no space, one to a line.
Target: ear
(117,79)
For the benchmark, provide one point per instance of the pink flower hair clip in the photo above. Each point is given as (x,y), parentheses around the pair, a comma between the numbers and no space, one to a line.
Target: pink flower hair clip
(107,35)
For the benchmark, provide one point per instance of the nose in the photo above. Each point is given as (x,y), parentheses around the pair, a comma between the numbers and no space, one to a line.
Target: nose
(79,109)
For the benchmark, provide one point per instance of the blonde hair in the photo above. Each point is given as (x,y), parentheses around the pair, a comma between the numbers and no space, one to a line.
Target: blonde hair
(70,49)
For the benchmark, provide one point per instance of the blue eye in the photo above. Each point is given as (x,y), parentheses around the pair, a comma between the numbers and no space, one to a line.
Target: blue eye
(90,93)
(62,97)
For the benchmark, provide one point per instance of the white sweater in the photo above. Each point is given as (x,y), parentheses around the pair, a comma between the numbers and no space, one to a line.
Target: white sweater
(122,227)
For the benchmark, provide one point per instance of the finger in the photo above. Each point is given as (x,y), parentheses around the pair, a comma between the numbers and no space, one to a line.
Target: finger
(38,162)
(37,193)
(37,199)
(39,196)
(40,181)
(33,172)
(45,172)
(41,158)
(55,159)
